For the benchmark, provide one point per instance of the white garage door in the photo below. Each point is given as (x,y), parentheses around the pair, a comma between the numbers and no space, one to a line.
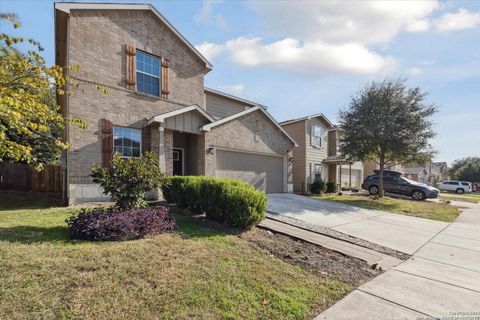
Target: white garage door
(356,174)
(265,173)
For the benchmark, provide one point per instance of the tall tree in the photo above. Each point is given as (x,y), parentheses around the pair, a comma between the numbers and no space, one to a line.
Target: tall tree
(388,123)
(30,123)
(466,169)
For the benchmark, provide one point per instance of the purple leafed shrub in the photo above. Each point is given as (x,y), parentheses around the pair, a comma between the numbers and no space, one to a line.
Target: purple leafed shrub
(102,224)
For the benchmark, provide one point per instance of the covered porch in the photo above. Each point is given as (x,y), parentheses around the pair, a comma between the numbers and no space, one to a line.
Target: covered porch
(180,142)
(345,174)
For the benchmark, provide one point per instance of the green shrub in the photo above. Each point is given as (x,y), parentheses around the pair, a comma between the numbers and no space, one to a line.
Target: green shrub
(331,187)
(318,186)
(128,180)
(229,201)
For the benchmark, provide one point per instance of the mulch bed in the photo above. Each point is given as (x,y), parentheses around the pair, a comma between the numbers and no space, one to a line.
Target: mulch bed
(328,262)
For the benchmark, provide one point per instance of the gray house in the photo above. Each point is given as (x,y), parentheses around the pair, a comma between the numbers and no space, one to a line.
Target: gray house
(156,102)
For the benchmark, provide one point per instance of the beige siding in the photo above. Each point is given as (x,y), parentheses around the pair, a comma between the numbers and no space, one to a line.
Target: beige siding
(316,155)
(297,132)
(186,122)
(221,107)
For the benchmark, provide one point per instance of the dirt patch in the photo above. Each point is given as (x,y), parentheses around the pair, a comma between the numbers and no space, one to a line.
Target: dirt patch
(327,262)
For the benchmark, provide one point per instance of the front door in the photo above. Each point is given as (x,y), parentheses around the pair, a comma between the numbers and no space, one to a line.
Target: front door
(178,162)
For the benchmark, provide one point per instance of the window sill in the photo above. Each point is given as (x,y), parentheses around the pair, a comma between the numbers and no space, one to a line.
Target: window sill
(148,95)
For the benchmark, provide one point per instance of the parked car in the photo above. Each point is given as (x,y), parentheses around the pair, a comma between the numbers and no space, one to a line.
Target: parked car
(388,173)
(400,185)
(456,186)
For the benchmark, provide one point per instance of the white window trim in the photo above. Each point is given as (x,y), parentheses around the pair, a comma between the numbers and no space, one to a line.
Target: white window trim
(113,144)
(159,77)
(314,126)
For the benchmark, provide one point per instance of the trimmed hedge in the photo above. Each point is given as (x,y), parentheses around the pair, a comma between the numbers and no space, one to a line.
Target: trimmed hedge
(110,224)
(331,187)
(229,201)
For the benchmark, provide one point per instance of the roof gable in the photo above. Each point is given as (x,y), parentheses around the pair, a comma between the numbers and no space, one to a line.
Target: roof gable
(209,126)
(67,6)
(318,115)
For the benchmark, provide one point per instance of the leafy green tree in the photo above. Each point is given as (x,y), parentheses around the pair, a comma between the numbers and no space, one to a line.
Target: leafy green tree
(128,180)
(31,127)
(466,169)
(387,123)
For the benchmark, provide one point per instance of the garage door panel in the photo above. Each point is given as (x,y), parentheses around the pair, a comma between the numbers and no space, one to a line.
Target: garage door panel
(264,172)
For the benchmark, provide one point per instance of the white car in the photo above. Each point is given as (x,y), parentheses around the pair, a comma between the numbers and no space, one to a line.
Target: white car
(456,186)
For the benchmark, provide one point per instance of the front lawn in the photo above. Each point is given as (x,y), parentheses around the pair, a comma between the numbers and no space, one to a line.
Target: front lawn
(196,272)
(473,197)
(421,209)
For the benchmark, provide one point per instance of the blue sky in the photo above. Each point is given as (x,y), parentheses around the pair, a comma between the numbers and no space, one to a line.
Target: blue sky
(302,57)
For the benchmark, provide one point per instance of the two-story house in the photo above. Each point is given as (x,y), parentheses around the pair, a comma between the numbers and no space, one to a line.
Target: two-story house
(156,102)
(317,155)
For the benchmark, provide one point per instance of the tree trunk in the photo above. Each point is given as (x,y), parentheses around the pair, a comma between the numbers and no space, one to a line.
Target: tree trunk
(380,177)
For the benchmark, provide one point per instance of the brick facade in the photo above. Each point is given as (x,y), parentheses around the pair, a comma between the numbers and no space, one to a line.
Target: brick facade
(96,43)
(253,132)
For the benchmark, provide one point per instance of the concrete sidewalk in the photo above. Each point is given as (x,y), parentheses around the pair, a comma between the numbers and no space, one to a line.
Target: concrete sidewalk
(402,233)
(442,279)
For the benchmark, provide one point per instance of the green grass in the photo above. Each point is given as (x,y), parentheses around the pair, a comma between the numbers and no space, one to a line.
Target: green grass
(196,272)
(473,197)
(421,209)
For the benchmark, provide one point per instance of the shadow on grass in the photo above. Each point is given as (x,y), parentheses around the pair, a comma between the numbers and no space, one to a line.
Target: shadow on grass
(200,227)
(16,200)
(30,234)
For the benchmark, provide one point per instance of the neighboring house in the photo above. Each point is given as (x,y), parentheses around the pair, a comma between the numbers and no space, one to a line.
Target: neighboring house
(430,172)
(317,155)
(443,167)
(156,101)
(417,173)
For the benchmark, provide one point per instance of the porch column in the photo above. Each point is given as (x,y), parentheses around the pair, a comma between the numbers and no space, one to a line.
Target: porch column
(161,149)
(340,178)
(350,176)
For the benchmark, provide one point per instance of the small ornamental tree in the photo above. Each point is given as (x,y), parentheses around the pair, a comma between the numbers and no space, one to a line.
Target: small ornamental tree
(466,169)
(128,180)
(31,126)
(387,123)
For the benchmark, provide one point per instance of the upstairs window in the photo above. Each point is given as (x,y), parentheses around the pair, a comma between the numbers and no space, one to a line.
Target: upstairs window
(148,73)
(127,141)
(316,136)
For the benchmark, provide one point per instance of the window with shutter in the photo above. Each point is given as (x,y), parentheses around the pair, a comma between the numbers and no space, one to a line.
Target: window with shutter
(148,73)
(107,142)
(165,68)
(127,141)
(130,53)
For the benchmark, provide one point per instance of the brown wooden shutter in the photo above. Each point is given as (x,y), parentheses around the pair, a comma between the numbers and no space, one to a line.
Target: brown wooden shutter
(107,142)
(146,139)
(130,67)
(164,84)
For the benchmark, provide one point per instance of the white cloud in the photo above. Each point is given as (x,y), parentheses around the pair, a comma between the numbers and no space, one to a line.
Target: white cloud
(414,71)
(462,19)
(322,37)
(206,14)
(312,57)
(210,50)
(232,88)
(418,26)
(344,21)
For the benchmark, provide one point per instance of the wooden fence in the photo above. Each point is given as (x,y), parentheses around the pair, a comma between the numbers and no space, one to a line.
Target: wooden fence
(22,177)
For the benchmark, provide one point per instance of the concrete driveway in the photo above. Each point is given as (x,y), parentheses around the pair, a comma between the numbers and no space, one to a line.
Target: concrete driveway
(441,280)
(401,233)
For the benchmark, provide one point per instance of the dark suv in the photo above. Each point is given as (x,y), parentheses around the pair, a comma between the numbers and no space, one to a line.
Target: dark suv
(400,185)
